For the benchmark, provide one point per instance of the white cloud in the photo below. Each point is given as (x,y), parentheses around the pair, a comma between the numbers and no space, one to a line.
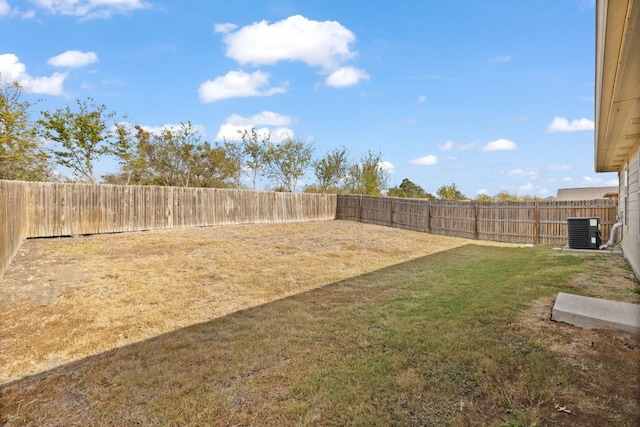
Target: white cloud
(387,166)
(560,167)
(5,9)
(561,124)
(265,122)
(482,191)
(236,84)
(318,44)
(224,28)
(500,145)
(422,99)
(533,190)
(88,9)
(52,85)
(530,173)
(268,118)
(12,69)
(73,58)
(157,130)
(429,160)
(527,187)
(598,182)
(447,146)
(346,76)
(454,146)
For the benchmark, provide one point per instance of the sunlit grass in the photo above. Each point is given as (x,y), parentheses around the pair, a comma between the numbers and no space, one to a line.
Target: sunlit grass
(436,340)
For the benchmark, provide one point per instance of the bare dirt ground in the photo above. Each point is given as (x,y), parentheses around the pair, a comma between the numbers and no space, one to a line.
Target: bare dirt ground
(62,300)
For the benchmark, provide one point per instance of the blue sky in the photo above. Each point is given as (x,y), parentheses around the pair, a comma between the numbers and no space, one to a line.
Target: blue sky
(492,95)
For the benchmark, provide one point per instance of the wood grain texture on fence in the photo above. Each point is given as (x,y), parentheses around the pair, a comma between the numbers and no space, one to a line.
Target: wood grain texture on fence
(59,209)
(29,209)
(48,209)
(13,219)
(541,222)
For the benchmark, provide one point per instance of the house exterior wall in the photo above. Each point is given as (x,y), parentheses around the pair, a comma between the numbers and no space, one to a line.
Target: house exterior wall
(629,209)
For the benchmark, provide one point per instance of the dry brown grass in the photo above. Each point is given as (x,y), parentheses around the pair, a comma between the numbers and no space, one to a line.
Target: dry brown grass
(327,323)
(65,299)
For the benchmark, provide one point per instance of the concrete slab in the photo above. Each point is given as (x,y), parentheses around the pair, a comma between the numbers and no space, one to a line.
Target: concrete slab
(609,251)
(596,313)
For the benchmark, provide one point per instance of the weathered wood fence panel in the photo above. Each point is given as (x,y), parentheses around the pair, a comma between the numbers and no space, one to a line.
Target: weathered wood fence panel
(46,209)
(13,219)
(543,222)
(57,209)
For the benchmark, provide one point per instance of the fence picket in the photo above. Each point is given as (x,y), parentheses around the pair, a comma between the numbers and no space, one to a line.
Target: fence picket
(543,222)
(40,209)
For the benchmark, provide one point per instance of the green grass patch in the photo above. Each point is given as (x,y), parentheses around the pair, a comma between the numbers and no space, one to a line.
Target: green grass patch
(434,341)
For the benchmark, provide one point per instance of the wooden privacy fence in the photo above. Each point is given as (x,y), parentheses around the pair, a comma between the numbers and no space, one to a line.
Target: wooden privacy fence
(55,209)
(29,209)
(13,220)
(543,222)
(36,209)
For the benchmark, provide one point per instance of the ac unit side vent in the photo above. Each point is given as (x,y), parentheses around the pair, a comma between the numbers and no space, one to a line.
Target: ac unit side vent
(584,233)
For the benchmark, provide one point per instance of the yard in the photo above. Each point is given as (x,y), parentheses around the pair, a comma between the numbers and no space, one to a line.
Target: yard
(320,323)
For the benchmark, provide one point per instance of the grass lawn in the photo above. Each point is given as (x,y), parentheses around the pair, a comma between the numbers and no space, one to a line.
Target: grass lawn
(457,337)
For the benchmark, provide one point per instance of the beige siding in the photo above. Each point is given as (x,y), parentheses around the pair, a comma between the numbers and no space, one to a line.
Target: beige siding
(631,230)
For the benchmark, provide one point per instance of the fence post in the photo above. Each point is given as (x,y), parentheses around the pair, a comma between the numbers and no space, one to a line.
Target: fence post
(391,214)
(360,210)
(536,226)
(475,225)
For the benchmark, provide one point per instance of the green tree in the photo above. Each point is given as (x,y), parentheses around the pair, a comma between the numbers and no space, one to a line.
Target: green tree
(81,137)
(505,196)
(367,177)
(482,197)
(213,167)
(287,162)
(174,157)
(410,190)
(253,154)
(450,192)
(331,170)
(125,148)
(22,156)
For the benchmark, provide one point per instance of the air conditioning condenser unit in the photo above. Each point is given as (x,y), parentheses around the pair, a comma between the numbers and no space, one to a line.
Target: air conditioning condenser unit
(584,233)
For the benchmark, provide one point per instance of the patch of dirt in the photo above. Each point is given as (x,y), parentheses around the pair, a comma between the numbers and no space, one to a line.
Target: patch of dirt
(603,360)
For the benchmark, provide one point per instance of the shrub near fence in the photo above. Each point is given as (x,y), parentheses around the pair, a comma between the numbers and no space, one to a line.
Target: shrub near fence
(543,222)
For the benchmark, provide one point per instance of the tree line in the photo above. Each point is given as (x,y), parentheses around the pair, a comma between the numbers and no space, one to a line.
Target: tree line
(79,138)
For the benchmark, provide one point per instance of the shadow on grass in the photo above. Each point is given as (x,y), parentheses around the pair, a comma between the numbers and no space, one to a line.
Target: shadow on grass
(418,343)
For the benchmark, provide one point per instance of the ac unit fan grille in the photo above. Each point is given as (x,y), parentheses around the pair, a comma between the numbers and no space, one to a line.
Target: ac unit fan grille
(584,233)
